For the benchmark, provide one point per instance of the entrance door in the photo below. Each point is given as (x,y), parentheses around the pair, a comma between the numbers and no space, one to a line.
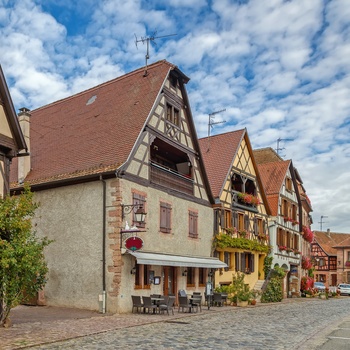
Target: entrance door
(169,286)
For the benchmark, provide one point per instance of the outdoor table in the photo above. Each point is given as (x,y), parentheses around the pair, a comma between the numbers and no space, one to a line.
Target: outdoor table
(155,301)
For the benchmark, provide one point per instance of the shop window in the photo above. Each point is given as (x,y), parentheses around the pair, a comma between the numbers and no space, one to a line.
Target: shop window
(142,276)
(190,277)
(202,276)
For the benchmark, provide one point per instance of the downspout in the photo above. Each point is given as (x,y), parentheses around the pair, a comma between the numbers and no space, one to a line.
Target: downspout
(103,245)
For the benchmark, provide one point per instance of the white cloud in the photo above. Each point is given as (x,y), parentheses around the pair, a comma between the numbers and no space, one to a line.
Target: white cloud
(280,68)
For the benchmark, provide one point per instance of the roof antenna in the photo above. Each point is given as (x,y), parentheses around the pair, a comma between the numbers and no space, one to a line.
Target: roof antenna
(147,40)
(322,222)
(211,123)
(278,149)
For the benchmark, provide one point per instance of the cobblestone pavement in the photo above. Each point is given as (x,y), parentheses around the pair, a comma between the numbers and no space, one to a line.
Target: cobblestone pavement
(293,324)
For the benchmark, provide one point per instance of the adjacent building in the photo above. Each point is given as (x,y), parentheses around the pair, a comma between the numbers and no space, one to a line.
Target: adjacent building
(331,256)
(241,209)
(11,138)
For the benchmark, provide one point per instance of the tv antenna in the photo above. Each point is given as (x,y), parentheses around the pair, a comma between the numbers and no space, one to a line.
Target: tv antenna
(322,222)
(147,40)
(278,149)
(211,123)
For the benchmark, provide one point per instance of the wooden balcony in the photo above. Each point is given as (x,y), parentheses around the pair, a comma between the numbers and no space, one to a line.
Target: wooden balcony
(170,179)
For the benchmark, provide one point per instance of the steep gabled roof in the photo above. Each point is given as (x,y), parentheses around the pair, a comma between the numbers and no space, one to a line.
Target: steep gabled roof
(94,131)
(266,155)
(272,177)
(329,240)
(218,153)
(6,101)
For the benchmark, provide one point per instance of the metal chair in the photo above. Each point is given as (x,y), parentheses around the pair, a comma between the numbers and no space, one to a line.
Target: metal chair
(148,305)
(184,304)
(169,305)
(136,303)
(197,301)
(217,299)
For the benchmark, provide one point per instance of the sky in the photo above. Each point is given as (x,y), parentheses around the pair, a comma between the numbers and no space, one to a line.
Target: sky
(279,68)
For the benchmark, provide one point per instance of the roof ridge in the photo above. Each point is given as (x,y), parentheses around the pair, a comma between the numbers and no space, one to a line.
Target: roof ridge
(224,133)
(121,77)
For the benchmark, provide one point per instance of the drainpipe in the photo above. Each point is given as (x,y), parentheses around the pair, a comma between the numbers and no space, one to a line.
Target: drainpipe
(103,246)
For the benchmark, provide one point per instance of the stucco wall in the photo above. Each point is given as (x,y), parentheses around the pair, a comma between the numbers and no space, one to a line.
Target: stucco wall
(72,217)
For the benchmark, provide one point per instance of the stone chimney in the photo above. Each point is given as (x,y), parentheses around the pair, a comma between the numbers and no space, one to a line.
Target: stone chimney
(24,161)
(328,232)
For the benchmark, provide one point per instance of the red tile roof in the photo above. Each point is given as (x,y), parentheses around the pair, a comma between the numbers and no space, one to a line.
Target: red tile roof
(272,176)
(218,154)
(329,240)
(266,155)
(93,131)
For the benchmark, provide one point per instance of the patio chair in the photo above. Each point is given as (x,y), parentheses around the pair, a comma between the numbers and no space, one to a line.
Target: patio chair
(169,305)
(217,299)
(148,305)
(136,303)
(182,293)
(184,304)
(197,301)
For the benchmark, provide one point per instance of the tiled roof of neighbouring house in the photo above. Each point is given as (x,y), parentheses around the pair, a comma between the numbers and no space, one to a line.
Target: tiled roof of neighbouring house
(329,240)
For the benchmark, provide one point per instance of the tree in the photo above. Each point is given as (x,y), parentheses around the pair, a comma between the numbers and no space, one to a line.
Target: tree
(22,264)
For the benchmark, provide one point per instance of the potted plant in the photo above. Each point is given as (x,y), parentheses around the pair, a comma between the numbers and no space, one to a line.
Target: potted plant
(241,290)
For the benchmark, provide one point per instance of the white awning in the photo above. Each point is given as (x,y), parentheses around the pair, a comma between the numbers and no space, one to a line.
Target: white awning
(146,258)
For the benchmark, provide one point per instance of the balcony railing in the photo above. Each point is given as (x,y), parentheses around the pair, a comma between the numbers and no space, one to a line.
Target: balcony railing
(171,179)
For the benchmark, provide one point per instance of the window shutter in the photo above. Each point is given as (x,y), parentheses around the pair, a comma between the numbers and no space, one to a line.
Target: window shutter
(242,269)
(235,219)
(256,229)
(246,222)
(237,261)
(251,267)
(165,217)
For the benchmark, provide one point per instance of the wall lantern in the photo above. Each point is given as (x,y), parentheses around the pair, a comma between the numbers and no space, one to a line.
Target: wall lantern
(133,271)
(184,273)
(140,214)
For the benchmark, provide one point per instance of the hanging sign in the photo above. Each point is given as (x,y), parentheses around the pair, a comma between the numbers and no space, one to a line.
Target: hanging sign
(133,243)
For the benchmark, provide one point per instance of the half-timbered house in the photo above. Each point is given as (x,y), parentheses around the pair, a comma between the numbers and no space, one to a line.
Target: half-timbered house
(330,253)
(281,189)
(11,137)
(99,157)
(240,210)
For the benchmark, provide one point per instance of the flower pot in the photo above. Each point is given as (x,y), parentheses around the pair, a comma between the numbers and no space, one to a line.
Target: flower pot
(242,303)
(253,302)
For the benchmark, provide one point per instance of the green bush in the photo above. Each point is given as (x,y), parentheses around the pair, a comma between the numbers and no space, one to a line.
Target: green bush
(274,292)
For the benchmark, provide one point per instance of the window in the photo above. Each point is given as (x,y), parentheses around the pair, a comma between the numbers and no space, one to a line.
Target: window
(228,218)
(280,237)
(241,222)
(259,230)
(288,184)
(284,207)
(142,276)
(244,262)
(172,114)
(348,255)
(193,223)
(296,242)
(202,276)
(227,260)
(138,199)
(165,217)
(190,276)
(294,212)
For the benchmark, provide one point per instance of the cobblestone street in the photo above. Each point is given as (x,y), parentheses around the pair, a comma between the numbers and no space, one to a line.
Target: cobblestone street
(298,324)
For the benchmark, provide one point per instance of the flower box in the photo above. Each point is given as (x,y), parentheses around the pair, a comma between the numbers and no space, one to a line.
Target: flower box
(347,263)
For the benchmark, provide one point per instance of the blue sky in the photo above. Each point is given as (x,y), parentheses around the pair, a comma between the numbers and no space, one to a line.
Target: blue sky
(280,68)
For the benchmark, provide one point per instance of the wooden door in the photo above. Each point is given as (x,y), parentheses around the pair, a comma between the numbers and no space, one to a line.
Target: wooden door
(169,285)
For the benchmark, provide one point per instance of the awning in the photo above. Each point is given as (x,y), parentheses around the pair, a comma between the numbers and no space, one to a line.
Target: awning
(146,258)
